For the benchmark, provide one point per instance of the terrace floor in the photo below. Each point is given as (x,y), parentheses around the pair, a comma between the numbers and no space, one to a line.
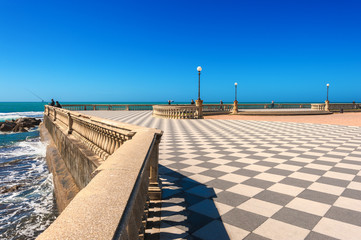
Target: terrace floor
(239,179)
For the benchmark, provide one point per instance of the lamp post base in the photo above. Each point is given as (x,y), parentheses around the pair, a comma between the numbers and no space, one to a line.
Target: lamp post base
(199,104)
(327,106)
(235,107)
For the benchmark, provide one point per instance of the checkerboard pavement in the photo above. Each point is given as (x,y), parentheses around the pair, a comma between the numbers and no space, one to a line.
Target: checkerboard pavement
(229,179)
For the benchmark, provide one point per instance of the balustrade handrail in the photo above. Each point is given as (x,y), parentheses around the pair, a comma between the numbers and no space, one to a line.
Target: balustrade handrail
(102,138)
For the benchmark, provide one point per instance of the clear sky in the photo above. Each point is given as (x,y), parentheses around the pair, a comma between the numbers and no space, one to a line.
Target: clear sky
(285,51)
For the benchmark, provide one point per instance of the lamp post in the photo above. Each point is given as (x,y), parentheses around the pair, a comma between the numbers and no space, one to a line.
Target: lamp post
(235,86)
(327,103)
(199,102)
(328,85)
(235,103)
(199,69)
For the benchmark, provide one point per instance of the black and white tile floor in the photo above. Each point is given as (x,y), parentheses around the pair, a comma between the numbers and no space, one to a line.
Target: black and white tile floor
(229,179)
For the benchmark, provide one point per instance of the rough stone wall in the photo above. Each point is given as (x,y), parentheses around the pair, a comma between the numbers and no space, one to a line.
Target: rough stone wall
(80,161)
(65,188)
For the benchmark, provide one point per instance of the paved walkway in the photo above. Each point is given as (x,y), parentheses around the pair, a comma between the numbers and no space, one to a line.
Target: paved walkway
(234,179)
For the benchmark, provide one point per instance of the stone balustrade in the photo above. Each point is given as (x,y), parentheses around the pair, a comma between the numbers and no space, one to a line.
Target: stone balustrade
(101,138)
(108,107)
(115,190)
(176,111)
(334,107)
(318,106)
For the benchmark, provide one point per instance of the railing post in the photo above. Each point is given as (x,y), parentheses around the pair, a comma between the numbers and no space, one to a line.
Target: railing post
(154,190)
(235,107)
(70,123)
(199,104)
(54,114)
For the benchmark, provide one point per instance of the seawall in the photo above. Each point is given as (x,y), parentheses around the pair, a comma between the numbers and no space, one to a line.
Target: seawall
(104,174)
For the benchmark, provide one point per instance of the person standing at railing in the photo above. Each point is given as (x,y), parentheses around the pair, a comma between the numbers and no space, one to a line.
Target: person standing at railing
(58,105)
(272,104)
(192,102)
(52,103)
(221,105)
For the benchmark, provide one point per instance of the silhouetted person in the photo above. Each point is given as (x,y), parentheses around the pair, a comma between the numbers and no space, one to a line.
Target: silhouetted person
(52,103)
(272,104)
(192,102)
(57,104)
(221,103)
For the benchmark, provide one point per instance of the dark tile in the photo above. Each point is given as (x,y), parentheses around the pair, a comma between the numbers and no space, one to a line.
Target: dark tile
(237,164)
(333,181)
(208,165)
(202,158)
(344,170)
(220,184)
(202,191)
(273,197)
(279,171)
(258,183)
(351,162)
(351,193)
(297,218)
(308,156)
(357,179)
(267,164)
(324,163)
(214,230)
(312,171)
(246,172)
(243,219)
(188,184)
(229,157)
(283,157)
(230,198)
(190,199)
(318,236)
(206,207)
(196,221)
(253,236)
(258,157)
(318,196)
(295,163)
(296,182)
(177,165)
(344,215)
(213,173)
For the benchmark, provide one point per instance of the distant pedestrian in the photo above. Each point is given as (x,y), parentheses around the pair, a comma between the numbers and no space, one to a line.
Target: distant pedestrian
(272,104)
(169,102)
(52,103)
(354,105)
(192,102)
(221,105)
(57,104)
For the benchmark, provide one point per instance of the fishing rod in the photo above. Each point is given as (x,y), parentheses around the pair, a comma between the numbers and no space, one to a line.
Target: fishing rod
(35,95)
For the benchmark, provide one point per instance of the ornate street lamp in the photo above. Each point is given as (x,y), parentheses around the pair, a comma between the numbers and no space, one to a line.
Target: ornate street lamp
(199,69)
(235,85)
(328,85)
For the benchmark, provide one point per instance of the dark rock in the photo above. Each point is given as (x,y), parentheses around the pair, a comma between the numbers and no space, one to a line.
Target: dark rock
(7,126)
(10,189)
(19,125)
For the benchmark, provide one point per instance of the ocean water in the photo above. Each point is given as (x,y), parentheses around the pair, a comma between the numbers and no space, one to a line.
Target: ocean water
(27,211)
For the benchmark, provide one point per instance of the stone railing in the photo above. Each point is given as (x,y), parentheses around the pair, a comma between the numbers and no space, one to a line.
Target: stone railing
(217,108)
(113,204)
(101,138)
(109,107)
(176,111)
(334,107)
(318,106)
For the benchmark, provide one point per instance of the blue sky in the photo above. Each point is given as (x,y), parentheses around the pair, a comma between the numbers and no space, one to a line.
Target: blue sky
(285,51)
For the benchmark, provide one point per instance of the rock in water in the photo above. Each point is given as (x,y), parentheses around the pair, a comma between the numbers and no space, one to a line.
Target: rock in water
(20,125)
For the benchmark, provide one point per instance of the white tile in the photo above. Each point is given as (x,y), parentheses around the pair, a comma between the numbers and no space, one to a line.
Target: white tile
(342,176)
(194,169)
(326,188)
(277,230)
(304,176)
(225,168)
(245,190)
(348,203)
(257,168)
(337,229)
(309,206)
(234,178)
(269,177)
(260,207)
(286,189)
